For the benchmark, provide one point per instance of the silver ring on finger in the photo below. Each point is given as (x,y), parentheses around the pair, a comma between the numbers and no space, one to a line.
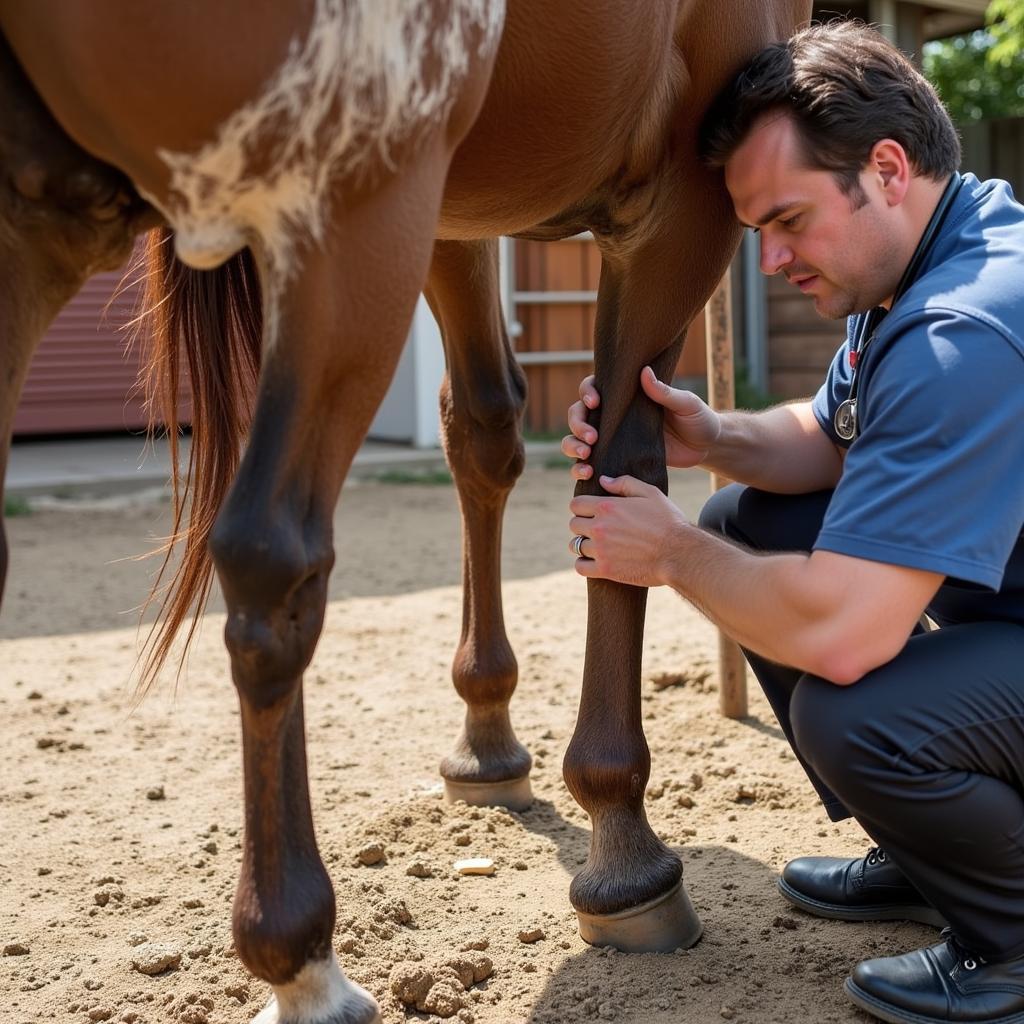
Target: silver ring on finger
(577,545)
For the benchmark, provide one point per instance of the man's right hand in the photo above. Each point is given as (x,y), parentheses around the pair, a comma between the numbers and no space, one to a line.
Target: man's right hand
(691,425)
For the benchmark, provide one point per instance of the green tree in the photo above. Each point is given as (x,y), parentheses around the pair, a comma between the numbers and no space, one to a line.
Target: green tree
(1005,20)
(981,75)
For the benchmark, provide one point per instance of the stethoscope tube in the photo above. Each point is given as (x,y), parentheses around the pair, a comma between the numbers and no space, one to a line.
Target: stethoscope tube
(845,419)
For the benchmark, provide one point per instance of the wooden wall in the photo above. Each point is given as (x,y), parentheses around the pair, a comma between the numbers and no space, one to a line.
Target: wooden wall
(557,337)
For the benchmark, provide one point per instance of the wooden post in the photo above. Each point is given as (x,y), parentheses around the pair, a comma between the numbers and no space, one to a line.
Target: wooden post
(732,667)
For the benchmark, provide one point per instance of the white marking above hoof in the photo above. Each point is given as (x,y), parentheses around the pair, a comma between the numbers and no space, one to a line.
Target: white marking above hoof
(320,994)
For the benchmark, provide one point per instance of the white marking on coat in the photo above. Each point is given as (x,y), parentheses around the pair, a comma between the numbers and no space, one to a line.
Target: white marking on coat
(369,74)
(319,992)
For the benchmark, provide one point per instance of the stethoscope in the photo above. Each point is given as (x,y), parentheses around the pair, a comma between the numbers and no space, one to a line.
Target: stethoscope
(845,419)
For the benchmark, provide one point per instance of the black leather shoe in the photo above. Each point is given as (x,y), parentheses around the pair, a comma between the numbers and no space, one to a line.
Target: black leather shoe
(940,985)
(870,888)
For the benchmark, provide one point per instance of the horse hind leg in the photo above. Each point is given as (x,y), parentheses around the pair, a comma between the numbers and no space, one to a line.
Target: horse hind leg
(482,402)
(63,216)
(330,350)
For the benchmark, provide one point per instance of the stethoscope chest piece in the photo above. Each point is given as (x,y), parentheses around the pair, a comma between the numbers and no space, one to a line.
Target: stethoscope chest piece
(845,420)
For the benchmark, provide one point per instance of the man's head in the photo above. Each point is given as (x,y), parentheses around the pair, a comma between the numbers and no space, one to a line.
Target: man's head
(836,148)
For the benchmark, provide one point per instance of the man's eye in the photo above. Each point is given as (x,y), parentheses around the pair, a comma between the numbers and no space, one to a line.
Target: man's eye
(790,222)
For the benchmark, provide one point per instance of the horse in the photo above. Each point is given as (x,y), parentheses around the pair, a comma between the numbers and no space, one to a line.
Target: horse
(303,171)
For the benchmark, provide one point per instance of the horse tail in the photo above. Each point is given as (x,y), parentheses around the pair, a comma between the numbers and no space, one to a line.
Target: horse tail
(208,323)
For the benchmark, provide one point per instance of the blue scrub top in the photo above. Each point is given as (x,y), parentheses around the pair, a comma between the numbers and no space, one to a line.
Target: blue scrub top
(935,478)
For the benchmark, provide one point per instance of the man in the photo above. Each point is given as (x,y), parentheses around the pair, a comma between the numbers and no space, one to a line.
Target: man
(897,490)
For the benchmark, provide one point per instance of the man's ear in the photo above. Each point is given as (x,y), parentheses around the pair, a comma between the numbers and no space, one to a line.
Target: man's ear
(890,165)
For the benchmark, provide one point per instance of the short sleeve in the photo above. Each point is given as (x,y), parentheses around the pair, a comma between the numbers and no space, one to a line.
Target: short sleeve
(935,479)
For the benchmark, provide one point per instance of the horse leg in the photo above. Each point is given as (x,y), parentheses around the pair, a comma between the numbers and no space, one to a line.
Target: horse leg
(333,334)
(629,893)
(63,216)
(482,400)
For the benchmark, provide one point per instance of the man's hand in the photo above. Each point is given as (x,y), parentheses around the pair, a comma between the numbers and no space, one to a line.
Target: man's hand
(629,538)
(691,426)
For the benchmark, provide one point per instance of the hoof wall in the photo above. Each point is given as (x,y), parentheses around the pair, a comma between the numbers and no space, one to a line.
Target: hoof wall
(658,926)
(515,794)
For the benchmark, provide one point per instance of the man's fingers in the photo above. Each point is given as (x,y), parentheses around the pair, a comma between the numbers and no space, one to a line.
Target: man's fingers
(588,393)
(626,486)
(584,505)
(574,447)
(684,402)
(578,423)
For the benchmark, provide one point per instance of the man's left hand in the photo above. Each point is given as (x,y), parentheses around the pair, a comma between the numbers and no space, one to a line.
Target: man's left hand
(628,537)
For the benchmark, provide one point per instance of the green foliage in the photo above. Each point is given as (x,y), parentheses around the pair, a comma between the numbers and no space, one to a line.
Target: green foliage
(972,83)
(15,505)
(750,397)
(1005,20)
(432,477)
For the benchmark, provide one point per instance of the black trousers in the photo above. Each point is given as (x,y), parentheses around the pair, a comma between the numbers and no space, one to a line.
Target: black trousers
(926,752)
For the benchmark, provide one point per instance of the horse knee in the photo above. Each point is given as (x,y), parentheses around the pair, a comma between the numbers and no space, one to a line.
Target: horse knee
(276,592)
(482,429)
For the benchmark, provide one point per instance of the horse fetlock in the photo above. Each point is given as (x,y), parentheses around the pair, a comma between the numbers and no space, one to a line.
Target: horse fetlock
(628,865)
(487,749)
(485,674)
(601,774)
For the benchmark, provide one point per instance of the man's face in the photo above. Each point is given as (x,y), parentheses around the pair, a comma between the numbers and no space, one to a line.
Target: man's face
(825,242)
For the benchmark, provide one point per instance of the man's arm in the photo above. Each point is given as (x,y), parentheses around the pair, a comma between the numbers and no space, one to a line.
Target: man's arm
(782,449)
(829,614)
(833,615)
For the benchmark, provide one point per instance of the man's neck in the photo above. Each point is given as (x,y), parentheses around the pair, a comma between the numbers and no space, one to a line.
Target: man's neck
(921,202)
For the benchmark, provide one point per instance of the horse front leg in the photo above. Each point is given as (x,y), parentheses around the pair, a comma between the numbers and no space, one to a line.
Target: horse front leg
(630,893)
(333,333)
(482,401)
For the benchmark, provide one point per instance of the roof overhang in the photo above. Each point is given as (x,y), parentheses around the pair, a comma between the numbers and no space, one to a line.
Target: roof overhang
(944,18)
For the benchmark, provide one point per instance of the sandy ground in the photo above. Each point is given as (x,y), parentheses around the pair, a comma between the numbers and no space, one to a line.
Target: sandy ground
(120,828)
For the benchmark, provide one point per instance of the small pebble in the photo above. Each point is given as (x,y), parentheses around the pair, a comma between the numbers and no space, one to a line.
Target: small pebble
(154,957)
(419,869)
(15,949)
(531,933)
(155,793)
(372,853)
(475,866)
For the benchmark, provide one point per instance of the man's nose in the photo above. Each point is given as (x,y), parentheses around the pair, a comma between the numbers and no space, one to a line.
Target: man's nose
(775,254)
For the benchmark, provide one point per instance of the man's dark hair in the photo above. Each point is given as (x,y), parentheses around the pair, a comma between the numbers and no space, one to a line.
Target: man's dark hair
(845,87)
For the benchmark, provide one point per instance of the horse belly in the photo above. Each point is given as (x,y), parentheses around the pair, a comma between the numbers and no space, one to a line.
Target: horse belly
(572,84)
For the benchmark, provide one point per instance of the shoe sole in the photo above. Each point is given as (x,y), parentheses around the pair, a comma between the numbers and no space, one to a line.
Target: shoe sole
(879,912)
(894,1015)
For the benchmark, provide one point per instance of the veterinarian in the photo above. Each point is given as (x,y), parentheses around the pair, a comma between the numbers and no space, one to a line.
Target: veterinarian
(897,490)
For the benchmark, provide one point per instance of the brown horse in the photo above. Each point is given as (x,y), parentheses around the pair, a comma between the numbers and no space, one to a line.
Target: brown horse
(342,156)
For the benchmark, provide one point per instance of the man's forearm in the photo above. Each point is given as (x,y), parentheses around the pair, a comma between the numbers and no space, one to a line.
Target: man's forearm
(782,449)
(770,604)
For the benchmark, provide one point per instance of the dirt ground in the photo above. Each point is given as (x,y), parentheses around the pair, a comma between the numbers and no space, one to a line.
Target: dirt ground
(121,828)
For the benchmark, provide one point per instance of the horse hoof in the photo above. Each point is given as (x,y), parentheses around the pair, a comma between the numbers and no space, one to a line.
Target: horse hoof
(320,994)
(515,794)
(658,926)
